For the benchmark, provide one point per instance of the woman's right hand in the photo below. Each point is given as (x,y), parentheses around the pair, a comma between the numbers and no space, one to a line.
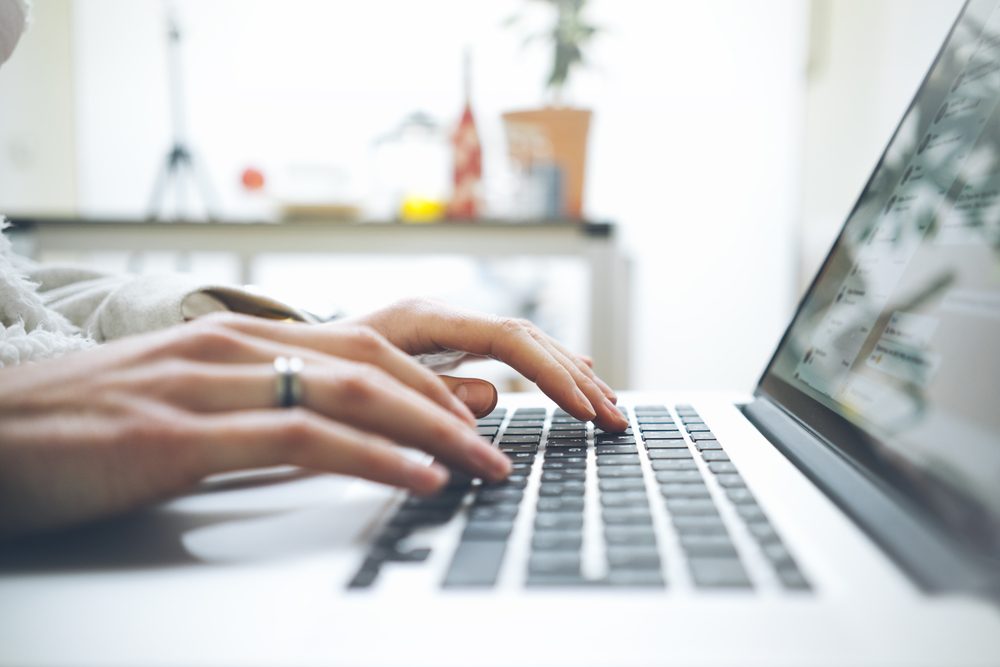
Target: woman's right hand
(103,431)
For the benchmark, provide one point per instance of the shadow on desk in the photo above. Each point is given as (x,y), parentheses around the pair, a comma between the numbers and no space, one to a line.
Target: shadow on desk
(284,516)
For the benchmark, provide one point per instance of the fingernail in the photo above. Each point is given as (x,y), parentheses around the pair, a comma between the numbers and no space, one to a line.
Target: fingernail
(429,479)
(440,473)
(495,463)
(585,405)
(477,396)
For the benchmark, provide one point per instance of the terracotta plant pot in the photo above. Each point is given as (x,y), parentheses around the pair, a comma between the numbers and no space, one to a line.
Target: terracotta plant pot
(554,135)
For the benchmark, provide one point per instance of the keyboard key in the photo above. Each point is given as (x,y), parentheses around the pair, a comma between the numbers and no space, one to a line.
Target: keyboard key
(568,453)
(554,562)
(551,444)
(717,544)
(487,431)
(658,454)
(674,464)
(523,430)
(623,498)
(625,484)
(690,506)
(519,440)
(560,504)
(557,581)
(600,432)
(710,524)
(718,573)
(615,440)
(763,532)
(561,488)
(715,455)
(704,445)
(695,428)
(678,476)
(507,449)
(498,496)
(482,529)
(658,436)
(513,481)
(777,554)
(656,428)
(575,463)
(792,578)
(618,472)
(698,490)
(730,480)
(666,444)
(364,578)
(617,459)
(629,535)
(493,512)
(475,563)
(521,456)
(554,540)
(559,521)
(616,449)
(626,516)
(698,437)
(566,426)
(720,466)
(751,513)
(564,475)
(639,578)
(633,558)
(740,495)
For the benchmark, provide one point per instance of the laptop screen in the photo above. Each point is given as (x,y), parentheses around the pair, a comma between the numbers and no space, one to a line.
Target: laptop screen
(894,354)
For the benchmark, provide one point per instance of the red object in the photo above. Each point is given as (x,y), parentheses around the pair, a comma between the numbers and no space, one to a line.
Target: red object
(253,179)
(468,168)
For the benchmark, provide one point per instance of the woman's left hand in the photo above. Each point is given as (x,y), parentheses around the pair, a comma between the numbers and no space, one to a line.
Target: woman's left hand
(421,326)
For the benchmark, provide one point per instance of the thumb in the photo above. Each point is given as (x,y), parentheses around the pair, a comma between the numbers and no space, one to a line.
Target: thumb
(478,395)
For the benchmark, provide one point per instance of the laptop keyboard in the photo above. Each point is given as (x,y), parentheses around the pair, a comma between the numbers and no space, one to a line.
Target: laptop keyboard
(593,488)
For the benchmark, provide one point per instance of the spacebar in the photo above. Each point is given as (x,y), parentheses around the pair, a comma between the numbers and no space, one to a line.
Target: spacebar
(476,563)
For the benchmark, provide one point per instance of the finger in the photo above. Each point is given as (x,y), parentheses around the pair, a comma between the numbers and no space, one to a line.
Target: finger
(358,344)
(259,438)
(479,395)
(359,395)
(582,364)
(608,416)
(512,342)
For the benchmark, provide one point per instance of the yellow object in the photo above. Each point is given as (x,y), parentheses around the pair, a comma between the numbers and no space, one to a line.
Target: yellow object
(421,209)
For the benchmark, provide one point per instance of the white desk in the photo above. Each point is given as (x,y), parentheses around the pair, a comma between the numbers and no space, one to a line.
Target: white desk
(593,243)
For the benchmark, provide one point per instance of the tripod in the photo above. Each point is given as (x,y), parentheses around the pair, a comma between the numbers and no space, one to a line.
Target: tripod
(181,163)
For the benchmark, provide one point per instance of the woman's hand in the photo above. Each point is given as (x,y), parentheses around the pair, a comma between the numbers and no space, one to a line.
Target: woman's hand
(420,326)
(103,431)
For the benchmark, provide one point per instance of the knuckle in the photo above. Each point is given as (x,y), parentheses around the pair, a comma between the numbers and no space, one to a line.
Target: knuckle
(210,340)
(361,384)
(512,326)
(367,341)
(297,430)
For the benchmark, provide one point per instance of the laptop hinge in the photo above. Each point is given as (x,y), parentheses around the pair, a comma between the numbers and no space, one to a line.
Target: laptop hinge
(931,560)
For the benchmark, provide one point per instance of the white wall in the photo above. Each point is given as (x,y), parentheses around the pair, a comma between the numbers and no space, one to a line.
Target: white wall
(695,144)
(866,61)
(37,115)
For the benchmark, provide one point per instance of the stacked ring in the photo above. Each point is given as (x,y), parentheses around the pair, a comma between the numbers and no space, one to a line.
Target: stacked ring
(288,387)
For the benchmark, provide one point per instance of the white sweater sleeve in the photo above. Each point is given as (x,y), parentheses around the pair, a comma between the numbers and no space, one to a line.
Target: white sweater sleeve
(107,306)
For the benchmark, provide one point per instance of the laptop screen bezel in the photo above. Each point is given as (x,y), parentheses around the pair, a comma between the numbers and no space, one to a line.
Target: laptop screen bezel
(850,440)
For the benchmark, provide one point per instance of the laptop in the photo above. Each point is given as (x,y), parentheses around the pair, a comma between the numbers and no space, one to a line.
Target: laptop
(845,513)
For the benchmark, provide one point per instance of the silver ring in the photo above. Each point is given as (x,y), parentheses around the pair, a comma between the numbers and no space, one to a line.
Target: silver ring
(288,386)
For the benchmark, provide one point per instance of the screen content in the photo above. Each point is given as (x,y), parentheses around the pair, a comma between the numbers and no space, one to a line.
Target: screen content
(900,334)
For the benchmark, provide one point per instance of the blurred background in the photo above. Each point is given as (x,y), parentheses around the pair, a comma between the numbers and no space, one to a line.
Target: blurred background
(724,142)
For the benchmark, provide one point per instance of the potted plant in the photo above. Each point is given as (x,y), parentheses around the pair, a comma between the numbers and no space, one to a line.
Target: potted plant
(553,140)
